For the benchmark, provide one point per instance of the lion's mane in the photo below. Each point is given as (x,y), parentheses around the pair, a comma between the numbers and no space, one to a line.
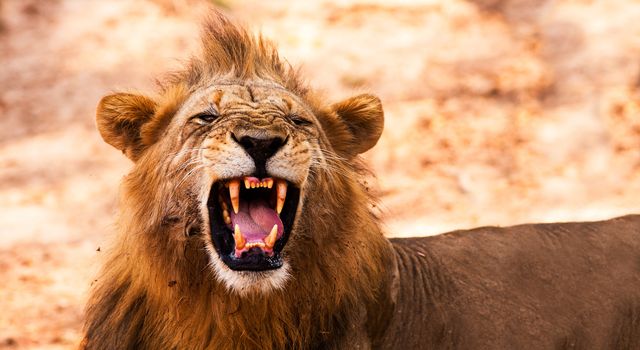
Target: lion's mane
(156,289)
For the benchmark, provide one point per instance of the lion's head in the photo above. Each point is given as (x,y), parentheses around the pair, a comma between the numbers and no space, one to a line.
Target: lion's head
(238,150)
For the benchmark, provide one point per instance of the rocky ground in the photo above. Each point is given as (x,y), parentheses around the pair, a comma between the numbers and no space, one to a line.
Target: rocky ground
(497,112)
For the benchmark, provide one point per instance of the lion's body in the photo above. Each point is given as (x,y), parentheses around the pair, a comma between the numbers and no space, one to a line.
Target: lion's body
(340,284)
(543,286)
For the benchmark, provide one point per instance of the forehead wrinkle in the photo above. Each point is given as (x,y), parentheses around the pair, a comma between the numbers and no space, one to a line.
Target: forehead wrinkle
(283,104)
(252,96)
(256,110)
(280,104)
(207,100)
(263,85)
(216,97)
(255,115)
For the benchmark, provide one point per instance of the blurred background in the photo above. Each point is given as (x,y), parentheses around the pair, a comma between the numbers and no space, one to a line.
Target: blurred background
(498,112)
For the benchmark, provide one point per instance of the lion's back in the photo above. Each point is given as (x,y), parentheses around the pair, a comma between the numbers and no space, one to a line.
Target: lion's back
(571,285)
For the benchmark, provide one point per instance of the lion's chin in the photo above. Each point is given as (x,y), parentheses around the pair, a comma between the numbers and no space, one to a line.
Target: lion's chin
(248,282)
(250,222)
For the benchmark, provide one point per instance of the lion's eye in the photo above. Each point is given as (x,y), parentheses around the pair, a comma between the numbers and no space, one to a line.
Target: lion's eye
(206,117)
(299,121)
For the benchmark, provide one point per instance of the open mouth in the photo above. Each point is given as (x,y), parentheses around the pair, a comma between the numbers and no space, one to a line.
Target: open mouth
(251,220)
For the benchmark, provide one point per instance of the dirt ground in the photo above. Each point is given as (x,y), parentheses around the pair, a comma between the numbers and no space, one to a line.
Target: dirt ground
(497,112)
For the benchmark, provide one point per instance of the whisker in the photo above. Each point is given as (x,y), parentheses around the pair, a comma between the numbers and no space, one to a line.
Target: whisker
(187,164)
(186,150)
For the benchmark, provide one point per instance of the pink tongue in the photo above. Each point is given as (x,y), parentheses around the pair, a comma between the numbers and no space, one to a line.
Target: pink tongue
(256,219)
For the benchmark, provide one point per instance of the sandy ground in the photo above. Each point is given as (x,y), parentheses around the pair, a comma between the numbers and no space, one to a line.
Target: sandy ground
(498,112)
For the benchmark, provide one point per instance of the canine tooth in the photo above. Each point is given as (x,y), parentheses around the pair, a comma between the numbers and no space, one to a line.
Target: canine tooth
(234,194)
(247,183)
(270,240)
(282,194)
(239,238)
(225,216)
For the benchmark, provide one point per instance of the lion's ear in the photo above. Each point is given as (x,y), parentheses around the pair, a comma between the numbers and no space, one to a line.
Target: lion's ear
(120,117)
(362,119)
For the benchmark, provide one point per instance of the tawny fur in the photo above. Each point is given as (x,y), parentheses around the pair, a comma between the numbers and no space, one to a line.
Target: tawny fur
(157,290)
(563,286)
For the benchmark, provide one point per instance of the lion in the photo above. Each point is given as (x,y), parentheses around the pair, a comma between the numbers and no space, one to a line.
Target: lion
(245,223)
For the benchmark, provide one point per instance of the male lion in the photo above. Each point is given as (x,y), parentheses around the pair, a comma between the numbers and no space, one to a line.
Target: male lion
(244,225)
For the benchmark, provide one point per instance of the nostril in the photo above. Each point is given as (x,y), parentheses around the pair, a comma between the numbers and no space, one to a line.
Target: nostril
(233,136)
(275,145)
(248,143)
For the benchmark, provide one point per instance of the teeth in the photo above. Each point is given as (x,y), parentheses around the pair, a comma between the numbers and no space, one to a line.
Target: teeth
(239,238)
(252,182)
(234,194)
(270,240)
(234,191)
(254,244)
(226,217)
(281,186)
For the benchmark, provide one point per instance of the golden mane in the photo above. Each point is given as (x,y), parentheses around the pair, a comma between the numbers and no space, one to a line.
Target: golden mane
(230,52)
(156,290)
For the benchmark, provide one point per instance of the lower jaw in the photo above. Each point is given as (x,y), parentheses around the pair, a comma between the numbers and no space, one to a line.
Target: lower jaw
(254,262)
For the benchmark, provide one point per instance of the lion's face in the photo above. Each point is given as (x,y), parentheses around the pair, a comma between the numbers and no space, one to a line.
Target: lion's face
(254,147)
(246,155)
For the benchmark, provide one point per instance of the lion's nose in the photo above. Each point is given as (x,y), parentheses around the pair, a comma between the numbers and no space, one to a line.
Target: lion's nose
(260,149)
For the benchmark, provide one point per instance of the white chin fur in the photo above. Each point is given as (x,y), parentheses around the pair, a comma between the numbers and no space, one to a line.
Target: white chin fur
(245,282)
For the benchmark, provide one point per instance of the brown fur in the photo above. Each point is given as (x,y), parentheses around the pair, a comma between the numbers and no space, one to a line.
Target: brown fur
(349,286)
(542,286)
(156,290)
